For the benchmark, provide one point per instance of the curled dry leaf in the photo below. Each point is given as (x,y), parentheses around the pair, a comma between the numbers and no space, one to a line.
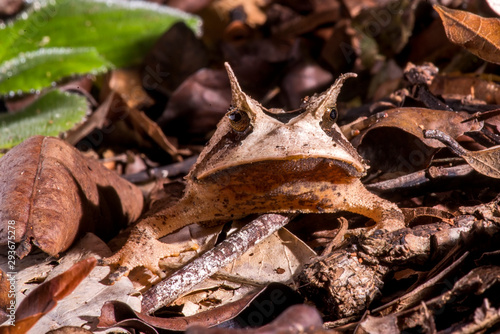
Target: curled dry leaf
(414,120)
(275,298)
(52,193)
(486,162)
(479,35)
(383,147)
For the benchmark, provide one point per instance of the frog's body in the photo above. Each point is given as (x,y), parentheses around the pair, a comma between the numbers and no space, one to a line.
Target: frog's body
(258,162)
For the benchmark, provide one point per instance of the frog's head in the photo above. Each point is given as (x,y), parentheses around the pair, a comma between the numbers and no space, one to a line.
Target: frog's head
(249,134)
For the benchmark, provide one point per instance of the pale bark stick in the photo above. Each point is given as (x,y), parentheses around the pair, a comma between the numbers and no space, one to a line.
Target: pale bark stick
(209,263)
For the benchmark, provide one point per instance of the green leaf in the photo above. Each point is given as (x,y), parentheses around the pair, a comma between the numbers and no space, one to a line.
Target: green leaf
(39,69)
(49,115)
(121,32)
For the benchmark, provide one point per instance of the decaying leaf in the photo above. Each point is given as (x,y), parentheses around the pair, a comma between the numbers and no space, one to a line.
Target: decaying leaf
(479,35)
(208,264)
(484,87)
(304,79)
(86,301)
(52,193)
(290,254)
(389,25)
(45,297)
(414,120)
(486,162)
(381,143)
(255,266)
(240,312)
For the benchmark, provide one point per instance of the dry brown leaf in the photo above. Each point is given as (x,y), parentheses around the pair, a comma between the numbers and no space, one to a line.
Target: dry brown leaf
(483,88)
(277,298)
(45,297)
(52,193)
(252,8)
(414,120)
(395,143)
(128,84)
(289,256)
(117,313)
(86,301)
(328,13)
(154,131)
(479,35)
(486,162)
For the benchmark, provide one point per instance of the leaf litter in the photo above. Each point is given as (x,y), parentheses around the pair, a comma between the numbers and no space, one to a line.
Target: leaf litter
(419,68)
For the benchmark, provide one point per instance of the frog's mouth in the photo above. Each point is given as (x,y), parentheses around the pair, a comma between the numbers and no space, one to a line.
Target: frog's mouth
(291,168)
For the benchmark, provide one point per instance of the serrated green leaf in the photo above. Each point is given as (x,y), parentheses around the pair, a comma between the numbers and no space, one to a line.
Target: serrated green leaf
(49,115)
(120,31)
(39,69)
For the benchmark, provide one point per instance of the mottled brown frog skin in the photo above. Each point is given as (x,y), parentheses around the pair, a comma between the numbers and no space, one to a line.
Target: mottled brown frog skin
(260,161)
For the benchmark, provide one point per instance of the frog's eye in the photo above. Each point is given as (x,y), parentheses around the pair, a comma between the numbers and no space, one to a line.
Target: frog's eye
(239,119)
(330,116)
(332,113)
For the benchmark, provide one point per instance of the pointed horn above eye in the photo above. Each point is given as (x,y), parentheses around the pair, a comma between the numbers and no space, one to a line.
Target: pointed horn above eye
(333,92)
(329,97)
(238,97)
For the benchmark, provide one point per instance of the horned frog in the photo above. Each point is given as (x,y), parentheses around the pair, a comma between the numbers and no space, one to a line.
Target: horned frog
(260,161)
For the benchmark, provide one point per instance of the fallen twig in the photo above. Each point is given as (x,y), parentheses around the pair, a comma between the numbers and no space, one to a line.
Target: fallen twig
(210,262)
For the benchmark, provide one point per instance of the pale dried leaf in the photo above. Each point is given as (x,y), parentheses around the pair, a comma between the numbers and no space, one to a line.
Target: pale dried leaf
(276,259)
(87,299)
(479,35)
(486,162)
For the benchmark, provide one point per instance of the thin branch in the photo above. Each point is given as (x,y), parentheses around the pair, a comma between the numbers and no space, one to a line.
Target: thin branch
(210,262)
